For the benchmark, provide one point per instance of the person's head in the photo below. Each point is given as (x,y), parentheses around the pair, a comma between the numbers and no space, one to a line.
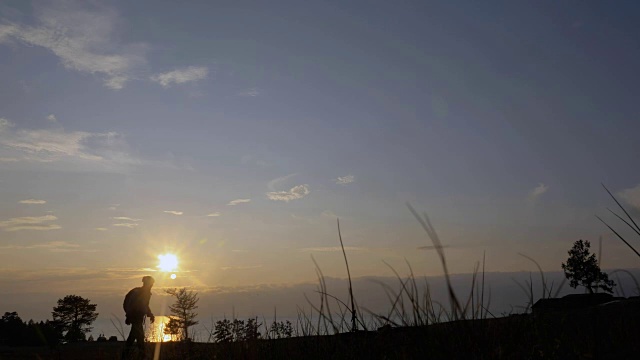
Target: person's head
(147,281)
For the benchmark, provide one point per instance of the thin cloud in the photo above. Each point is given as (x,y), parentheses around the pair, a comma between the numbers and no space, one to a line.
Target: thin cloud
(433,247)
(173,212)
(127,225)
(238,201)
(181,76)
(275,183)
(9,159)
(39,223)
(124,218)
(49,145)
(53,246)
(214,214)
(329,214)
(296,192)
(537,192)
(344,180)
(52,118)
(225,268)
(631,196)
(102,229)
(81,35)
(332,249)
(251,92)
(32,202)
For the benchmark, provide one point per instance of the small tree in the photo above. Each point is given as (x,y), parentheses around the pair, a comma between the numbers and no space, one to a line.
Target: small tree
(182,312)
(582,269)
(74,314)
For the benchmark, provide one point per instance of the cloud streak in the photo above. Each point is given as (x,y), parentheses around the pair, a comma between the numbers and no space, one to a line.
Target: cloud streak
(124,218)
(274,184)
(32,202)
(214,214)
(81,35)
(344,180)
(537,192)
(127,225)
(238,201)
(50,145)
(631,196)
(39,223)
(53,246)
(181,76)
(173,212)
(332,249)
(296,192)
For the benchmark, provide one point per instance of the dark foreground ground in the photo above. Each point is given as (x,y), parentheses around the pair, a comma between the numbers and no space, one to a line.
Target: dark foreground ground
(611,332)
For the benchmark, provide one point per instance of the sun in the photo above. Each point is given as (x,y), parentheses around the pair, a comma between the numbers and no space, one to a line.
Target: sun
(168,262)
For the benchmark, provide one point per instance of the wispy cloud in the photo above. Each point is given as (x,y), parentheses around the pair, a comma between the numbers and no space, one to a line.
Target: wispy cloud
(9,159)
(102,229)
(631,196)
(277,182)
(40,223)
(248,267)
(52,118)
(329,214)
(537,192)
(173,212)
(53,246)
(296,192)
(181,76)
(49,145)
(5,124)
(32,202)
(214,214)
(344,180)
(238,201)
(82,36)
(251,92)
(124,218)
(127,225)
(333,249)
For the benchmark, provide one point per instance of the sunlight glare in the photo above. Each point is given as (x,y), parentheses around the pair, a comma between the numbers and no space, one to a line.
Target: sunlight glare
(173,276)
(168,262)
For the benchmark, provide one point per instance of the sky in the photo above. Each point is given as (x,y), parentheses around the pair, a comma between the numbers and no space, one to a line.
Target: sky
(234,133)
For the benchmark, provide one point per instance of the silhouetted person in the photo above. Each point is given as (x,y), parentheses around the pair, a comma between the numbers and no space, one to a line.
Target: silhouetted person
(136,307)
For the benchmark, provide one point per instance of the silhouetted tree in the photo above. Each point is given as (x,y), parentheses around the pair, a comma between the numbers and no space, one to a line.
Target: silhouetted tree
(280,330)
(182,312)
(582,269)
(12,329)
(15,332)
(74,314)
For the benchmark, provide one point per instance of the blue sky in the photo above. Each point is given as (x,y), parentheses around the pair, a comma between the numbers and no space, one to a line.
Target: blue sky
(234,132)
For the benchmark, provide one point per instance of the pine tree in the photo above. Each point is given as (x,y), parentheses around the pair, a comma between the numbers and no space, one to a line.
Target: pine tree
(182,315)
(582,269)
(74,314)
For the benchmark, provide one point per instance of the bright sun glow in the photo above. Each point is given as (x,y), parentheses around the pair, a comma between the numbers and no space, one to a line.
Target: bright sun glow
(173,276)
(168,262)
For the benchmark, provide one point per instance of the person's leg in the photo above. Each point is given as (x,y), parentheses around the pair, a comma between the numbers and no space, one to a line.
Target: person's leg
(140,337)
(136,329)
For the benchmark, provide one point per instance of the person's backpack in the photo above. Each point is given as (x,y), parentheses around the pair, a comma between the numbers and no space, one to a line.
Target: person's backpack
(132,302)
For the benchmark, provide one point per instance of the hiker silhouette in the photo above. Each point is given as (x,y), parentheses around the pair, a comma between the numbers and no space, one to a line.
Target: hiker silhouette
(136,307)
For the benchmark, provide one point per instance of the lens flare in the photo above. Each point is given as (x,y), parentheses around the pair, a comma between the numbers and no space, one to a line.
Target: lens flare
(168,262)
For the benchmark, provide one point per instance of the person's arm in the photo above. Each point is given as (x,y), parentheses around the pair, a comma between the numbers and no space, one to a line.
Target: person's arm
(149,313)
